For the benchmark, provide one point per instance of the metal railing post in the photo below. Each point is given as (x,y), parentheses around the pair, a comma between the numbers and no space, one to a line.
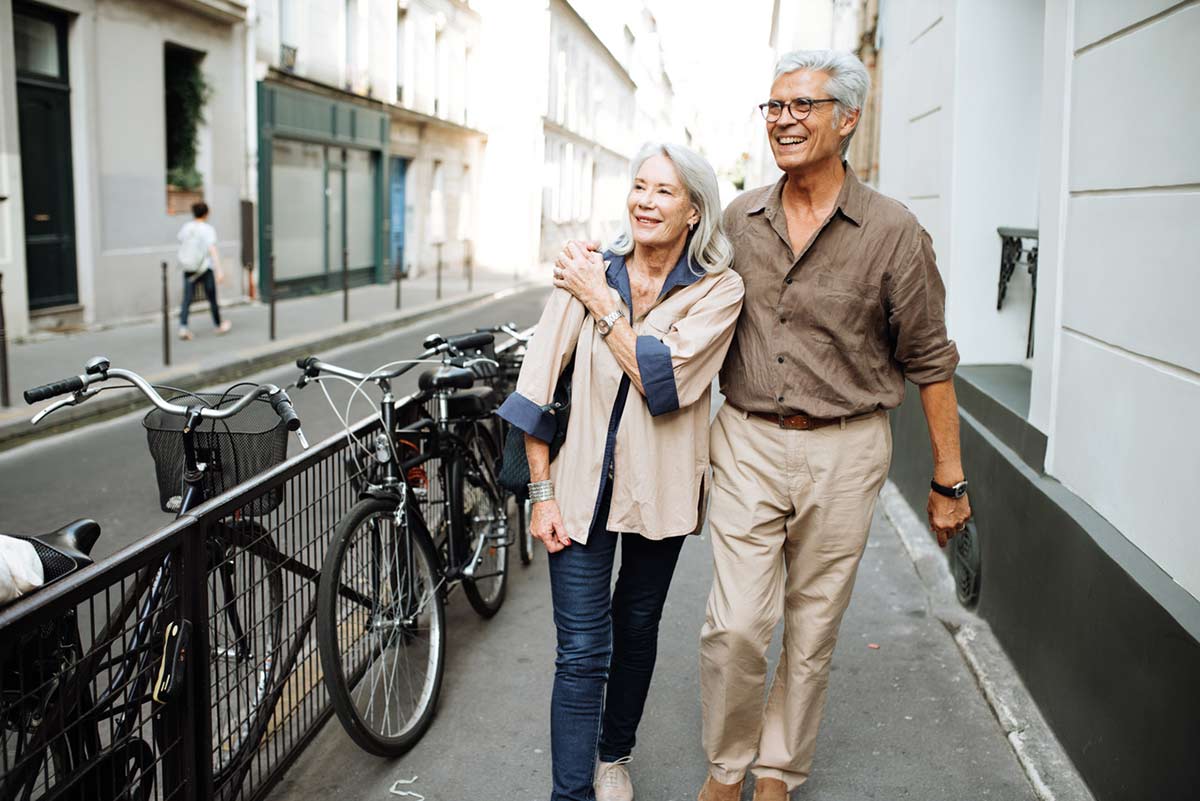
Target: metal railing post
(5,399)
(345,285)
(271,296)
(166,317)
(439,270)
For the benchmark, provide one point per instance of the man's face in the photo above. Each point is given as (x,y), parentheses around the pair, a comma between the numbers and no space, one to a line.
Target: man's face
(800,144)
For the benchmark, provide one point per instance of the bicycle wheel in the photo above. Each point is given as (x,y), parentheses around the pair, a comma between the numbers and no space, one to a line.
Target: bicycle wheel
(478,518)
(245,619)
(381,627)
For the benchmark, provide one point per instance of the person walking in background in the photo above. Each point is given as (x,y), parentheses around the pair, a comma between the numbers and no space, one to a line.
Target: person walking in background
(647,325)
(843,303)
(198,259)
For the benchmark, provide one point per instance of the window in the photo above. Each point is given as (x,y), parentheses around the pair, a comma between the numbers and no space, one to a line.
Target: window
(464,205)
(437,205)
(401,54)
(288,36)
(186,94)
(439,73)
(38,48)
(350,65)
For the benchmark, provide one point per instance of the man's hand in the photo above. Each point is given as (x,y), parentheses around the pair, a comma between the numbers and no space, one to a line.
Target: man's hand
(947,516)
(546,524)
(581,272)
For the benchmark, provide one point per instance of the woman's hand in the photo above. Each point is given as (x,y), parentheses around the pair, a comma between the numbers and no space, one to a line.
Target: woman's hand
(580,271)
(546,524)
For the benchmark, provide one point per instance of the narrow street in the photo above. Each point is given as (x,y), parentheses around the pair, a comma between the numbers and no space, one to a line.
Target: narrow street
(105,471)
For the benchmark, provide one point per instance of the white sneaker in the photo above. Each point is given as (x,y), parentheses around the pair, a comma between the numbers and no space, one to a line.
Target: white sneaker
(612,781)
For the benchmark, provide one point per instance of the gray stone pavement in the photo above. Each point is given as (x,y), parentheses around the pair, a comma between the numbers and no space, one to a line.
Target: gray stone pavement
(904,721)
(210,358)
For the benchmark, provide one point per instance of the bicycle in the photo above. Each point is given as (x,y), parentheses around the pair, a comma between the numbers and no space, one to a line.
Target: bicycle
(390,568)
(61,743)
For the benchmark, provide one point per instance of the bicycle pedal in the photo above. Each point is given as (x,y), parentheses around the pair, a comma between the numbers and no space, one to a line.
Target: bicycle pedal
(172,669)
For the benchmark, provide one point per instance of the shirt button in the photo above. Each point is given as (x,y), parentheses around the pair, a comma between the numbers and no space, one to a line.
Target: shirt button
(783,320)
(781,360)
(787,280)
(781,399)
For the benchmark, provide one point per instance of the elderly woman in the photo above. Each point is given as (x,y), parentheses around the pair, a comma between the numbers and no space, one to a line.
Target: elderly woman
(654,314)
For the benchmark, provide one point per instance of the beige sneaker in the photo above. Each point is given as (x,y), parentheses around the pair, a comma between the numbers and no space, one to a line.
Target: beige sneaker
(612,781)
(224,327)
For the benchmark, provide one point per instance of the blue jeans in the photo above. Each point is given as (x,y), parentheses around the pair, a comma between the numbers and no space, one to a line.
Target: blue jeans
(210,291)
(603,640)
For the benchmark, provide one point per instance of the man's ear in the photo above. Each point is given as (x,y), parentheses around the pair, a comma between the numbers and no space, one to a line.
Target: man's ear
(849,121)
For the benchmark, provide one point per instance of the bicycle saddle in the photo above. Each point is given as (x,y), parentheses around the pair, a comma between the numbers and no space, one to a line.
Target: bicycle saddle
(65,550)
(446,378)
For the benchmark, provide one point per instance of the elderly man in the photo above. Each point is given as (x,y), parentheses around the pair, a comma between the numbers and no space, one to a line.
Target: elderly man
(843,303)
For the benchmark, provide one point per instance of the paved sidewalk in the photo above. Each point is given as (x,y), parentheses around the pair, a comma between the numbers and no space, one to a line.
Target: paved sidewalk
(904,721)
(302,324)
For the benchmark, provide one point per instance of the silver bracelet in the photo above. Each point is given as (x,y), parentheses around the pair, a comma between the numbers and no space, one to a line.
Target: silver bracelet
(541,491)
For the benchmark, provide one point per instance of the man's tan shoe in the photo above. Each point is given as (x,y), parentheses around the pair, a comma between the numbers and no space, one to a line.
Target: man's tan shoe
(770,790)
(713,790)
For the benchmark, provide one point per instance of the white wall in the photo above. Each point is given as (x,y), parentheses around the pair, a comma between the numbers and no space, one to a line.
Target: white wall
(12,228)
(1123,433)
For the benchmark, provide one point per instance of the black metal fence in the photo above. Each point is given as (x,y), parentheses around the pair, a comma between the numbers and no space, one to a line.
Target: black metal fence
(80,659)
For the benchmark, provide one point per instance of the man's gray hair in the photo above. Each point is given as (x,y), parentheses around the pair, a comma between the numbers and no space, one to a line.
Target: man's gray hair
(848,84)
(709,248)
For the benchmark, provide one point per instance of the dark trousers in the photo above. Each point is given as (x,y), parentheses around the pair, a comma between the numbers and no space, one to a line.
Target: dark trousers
(603,639)
(210,290)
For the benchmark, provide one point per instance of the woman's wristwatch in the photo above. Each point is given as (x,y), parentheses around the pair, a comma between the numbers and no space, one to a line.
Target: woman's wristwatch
(541,491)
(605,324)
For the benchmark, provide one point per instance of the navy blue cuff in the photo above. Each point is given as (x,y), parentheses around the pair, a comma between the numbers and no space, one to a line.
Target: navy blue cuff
(528,416)
(658,376)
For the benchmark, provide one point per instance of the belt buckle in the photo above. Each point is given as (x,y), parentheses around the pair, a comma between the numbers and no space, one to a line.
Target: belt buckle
(801,422)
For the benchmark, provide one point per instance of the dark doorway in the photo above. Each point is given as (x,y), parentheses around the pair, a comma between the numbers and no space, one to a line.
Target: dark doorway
(44,120)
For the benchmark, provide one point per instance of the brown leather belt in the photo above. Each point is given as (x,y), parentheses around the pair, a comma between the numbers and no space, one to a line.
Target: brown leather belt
(804,422)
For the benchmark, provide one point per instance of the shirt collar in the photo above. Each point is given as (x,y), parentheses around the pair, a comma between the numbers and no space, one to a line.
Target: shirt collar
(851,200)
(684,273)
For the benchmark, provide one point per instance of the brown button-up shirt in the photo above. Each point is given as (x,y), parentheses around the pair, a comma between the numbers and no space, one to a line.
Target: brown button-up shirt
(652,450)
(834,330)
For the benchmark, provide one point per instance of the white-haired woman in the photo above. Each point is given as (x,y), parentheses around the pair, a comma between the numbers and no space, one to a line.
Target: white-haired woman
(647,324)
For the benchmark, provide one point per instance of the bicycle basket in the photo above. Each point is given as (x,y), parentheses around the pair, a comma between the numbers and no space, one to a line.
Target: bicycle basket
(235,449)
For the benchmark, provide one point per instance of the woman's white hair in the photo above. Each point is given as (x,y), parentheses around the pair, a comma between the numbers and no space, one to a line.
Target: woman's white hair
(848,84)
(709,247)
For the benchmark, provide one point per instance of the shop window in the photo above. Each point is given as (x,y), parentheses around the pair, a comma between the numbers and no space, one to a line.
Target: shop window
(187,94)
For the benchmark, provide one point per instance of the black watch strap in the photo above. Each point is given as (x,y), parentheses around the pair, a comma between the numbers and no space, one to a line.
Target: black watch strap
(955,491)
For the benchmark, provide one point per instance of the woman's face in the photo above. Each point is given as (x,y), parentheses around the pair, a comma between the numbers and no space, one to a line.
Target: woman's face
(659,208)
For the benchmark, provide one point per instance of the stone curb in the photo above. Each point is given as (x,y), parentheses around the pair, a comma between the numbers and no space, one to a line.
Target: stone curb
(17,430)
(1051,775)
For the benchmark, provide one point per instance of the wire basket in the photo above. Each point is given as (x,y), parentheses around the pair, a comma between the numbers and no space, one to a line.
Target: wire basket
(235,449)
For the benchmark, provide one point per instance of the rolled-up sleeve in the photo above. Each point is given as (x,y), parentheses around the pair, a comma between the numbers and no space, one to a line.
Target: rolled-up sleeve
(676,370)
(550,350)
(917,317)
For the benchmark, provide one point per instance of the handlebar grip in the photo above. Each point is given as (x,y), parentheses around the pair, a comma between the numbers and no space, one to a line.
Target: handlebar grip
(472,341)
(72,384)
(305,362)
(283,407)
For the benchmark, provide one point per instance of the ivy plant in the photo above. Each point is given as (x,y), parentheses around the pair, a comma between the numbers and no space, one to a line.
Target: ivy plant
(186,95)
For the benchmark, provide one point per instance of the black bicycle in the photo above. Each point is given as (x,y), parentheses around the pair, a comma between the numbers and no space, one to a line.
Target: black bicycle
(61,741)
(430,518)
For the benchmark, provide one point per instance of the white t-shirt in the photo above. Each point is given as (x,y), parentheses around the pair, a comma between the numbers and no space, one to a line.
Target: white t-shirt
(196,238)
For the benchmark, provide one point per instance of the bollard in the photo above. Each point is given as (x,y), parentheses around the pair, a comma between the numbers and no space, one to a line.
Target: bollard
(395,278)
(439,270)
(271,294)
(166,312)
(345,286)
(4,396)
(470,263)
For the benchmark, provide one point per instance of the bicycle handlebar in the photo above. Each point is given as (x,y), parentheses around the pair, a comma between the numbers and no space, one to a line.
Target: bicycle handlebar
(54,388)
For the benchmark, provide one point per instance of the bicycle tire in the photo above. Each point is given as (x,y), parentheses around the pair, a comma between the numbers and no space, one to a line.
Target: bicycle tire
(476,509)
(397,594)
(241,668)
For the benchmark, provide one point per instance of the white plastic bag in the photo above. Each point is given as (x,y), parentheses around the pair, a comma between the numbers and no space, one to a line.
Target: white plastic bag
(20,569)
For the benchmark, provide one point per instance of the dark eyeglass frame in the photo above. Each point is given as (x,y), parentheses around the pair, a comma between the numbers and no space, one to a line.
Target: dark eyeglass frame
(799,108)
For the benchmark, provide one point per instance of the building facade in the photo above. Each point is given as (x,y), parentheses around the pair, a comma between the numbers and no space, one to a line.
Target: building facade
(366,148)
(1067,240)
(94,144)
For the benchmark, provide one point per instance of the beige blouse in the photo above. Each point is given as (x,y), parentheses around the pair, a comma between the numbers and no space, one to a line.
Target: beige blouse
(654,449)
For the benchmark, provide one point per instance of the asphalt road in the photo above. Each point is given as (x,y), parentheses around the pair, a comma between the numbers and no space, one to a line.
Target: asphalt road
(105,471)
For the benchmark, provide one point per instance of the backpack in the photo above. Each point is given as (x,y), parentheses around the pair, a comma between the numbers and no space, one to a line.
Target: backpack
(192,253)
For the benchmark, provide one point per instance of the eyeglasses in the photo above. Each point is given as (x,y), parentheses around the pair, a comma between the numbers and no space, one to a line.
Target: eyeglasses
(799,108)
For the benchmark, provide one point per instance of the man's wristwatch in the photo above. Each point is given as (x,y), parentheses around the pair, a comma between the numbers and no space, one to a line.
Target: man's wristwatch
(605,324)
(953,491)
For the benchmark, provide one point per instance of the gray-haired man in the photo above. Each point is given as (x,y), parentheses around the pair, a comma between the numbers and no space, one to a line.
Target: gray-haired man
(843,302)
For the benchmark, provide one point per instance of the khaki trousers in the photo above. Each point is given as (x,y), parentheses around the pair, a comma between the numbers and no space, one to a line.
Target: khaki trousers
(789,518)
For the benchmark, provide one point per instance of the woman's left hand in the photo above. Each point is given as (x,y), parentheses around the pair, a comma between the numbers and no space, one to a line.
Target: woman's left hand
(580,271)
